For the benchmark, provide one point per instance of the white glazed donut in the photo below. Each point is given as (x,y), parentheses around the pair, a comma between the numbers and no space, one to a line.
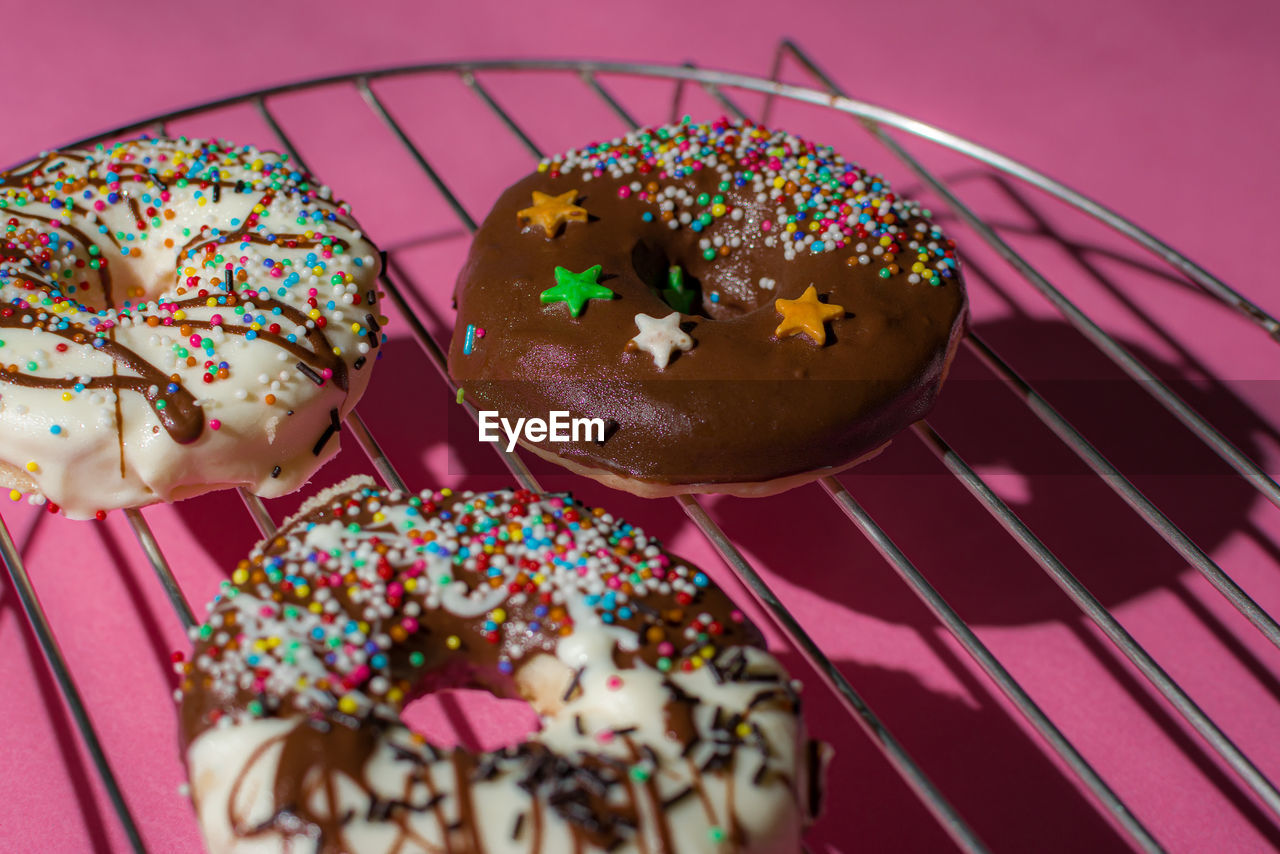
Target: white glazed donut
(666,726)
(176,316)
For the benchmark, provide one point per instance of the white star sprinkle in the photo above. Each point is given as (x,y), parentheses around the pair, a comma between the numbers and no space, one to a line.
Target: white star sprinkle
(661,337)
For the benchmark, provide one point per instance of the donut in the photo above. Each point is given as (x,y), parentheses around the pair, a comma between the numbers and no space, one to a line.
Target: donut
(176,316)
(666,727)
(744,310)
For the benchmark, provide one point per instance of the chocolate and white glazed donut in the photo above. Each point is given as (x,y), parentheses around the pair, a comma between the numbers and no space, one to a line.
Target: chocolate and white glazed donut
(667,727)
(176,316)
(746,309)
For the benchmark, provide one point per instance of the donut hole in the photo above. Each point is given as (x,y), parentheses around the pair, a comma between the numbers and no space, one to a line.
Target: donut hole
(673,285)
(457,702)
(132,280)
(473,718)
(681,283)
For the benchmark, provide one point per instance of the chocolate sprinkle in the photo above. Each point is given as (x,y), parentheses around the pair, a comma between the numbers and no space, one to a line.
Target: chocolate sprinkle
(573,686)
(335,425)
(308,372)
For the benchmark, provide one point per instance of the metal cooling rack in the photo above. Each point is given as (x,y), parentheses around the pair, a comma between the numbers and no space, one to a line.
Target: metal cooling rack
(877,121)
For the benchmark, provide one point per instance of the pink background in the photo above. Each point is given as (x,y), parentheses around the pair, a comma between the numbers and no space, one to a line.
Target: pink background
(1165,111)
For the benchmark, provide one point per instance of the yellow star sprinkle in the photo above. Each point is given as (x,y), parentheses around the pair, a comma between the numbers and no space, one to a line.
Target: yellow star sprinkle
(806,315)
(551,212)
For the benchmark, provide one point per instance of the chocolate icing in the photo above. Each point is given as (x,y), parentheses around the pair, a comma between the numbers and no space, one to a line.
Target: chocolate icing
(742,405)
(593,793)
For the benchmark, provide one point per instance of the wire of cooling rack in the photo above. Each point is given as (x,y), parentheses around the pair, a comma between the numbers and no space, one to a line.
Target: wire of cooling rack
(1079,594)
(877,120)
(1197,274)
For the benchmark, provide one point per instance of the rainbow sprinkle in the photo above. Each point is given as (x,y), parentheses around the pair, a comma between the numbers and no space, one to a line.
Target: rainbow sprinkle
(821,203)
(316,617)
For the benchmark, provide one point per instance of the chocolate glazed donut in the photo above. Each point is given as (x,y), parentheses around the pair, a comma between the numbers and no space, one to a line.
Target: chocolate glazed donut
(745,309)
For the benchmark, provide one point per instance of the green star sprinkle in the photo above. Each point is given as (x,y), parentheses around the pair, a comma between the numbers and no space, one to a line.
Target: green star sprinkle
(574,289)
(677,296)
